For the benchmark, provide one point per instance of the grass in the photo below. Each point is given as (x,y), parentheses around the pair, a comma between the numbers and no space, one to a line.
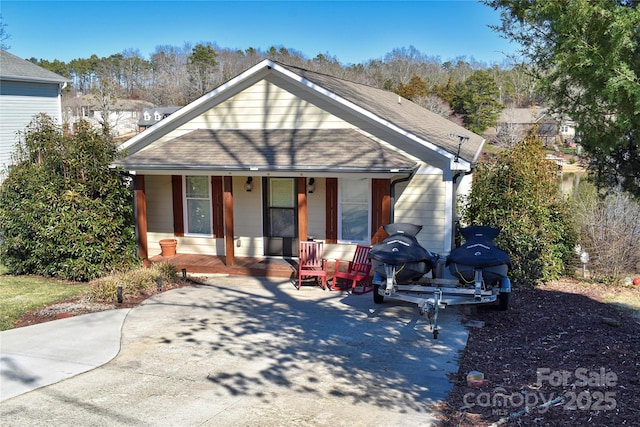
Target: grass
(20,294)
(627,298)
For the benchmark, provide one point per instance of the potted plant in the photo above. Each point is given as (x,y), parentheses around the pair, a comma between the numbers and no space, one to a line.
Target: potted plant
(168,247)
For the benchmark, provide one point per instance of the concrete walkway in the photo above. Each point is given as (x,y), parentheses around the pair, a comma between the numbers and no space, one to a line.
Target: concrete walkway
(238,351)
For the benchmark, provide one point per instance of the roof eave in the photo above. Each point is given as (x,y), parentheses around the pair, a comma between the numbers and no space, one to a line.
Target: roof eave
(258,169)
(52,80)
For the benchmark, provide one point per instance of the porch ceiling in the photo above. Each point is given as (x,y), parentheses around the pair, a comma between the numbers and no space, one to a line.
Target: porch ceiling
(340,150)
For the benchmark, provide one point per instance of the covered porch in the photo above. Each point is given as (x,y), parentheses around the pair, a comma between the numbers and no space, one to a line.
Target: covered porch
(242,266)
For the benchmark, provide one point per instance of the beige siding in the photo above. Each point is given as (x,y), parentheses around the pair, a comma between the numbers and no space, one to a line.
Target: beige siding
(422,202)
(262,106)
(160,221)
(247,219)
(317,211)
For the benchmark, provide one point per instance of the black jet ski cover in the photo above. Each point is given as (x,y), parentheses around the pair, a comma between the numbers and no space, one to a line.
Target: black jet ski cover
(402,246)
(402,227)
(478,249)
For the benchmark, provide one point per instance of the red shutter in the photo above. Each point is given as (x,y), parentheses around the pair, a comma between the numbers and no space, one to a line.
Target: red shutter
(331,186)
(380,208)
(217,208)
(178,219)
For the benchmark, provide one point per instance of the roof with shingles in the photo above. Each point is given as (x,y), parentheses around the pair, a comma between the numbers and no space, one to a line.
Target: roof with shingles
(407,115)
(428,132)
(15,68)
(345,150)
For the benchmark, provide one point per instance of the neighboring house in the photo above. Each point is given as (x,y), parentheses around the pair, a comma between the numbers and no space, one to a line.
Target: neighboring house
(123,113)
(514,124)
(280,154)
(26,90)
(151,116)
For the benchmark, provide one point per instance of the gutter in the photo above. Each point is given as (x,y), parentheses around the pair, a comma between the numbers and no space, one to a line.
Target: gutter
(393,192)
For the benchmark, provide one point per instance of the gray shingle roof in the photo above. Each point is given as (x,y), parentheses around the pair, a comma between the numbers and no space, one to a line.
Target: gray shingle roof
(407,115)
(343,150)
(15,68)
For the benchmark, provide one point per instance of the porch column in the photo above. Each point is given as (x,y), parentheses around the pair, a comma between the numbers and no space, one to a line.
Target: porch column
(228,222)
(140,206)
(303,211)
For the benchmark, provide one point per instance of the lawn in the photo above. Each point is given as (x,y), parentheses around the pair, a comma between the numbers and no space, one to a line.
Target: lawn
(20,294)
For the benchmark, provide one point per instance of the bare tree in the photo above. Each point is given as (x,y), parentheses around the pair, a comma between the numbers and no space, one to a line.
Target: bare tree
(4,36)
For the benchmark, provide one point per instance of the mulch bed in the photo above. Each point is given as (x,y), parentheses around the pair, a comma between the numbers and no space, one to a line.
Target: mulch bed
(558,357)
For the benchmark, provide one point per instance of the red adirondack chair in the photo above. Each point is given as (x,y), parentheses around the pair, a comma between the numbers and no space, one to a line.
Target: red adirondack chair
(357,272)
(311,262)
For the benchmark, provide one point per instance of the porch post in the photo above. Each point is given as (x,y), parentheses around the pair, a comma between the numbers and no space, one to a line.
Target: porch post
(228,221)
(303,211)
(140,206)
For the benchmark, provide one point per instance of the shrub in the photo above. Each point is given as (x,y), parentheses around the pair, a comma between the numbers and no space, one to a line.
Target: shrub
(134,282)
(64,212)
(519,194)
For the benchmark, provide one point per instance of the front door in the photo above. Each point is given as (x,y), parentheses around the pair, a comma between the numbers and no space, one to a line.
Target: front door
(281,217)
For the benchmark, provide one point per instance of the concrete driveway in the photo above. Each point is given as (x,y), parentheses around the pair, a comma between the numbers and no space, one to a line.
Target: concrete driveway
(242,351)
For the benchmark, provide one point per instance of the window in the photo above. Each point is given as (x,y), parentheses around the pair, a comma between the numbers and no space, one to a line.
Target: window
(147,116)
(197,216)
(353,211)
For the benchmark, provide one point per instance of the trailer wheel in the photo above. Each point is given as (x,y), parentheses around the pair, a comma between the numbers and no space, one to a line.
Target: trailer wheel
(377,298)
(503,301)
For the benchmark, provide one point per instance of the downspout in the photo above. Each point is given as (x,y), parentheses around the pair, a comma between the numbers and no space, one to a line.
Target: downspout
(393,193)
(456,232)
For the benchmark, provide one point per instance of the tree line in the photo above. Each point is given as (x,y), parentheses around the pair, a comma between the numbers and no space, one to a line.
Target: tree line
(468,91)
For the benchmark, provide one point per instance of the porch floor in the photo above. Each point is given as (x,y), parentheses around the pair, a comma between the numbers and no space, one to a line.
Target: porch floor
(211,264)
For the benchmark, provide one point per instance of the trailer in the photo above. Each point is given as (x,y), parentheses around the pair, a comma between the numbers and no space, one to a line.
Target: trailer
(433,294)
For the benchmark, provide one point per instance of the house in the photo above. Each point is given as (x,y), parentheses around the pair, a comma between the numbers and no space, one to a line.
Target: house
(280,154)
(123,114)
(151,116)
(514,124)
(26,90)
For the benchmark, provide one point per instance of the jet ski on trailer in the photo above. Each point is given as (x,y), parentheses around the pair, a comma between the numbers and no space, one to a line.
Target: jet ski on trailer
(402,266)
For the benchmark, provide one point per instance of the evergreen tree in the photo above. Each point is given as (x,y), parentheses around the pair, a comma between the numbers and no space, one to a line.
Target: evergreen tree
(520,195)
(64,212)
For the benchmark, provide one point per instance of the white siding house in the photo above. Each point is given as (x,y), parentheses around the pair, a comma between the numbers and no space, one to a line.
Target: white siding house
(280,154)
(26,90)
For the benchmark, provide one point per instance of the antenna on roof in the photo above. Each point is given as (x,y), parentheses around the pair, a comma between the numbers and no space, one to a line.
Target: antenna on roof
(461,139)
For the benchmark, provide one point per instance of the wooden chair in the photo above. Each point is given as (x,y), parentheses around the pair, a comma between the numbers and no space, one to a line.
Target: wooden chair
(357,271)
(312,263)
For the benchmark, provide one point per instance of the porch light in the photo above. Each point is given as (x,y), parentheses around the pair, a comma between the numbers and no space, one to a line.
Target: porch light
(311,187)
(249,184)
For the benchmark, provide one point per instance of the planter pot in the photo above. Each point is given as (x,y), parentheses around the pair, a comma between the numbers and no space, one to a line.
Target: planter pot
(168,247)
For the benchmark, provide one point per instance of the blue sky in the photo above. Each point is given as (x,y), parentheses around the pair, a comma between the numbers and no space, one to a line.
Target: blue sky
(351,31)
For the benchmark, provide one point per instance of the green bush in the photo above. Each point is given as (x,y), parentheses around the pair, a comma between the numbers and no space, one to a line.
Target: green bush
(519,194)
(64,212)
